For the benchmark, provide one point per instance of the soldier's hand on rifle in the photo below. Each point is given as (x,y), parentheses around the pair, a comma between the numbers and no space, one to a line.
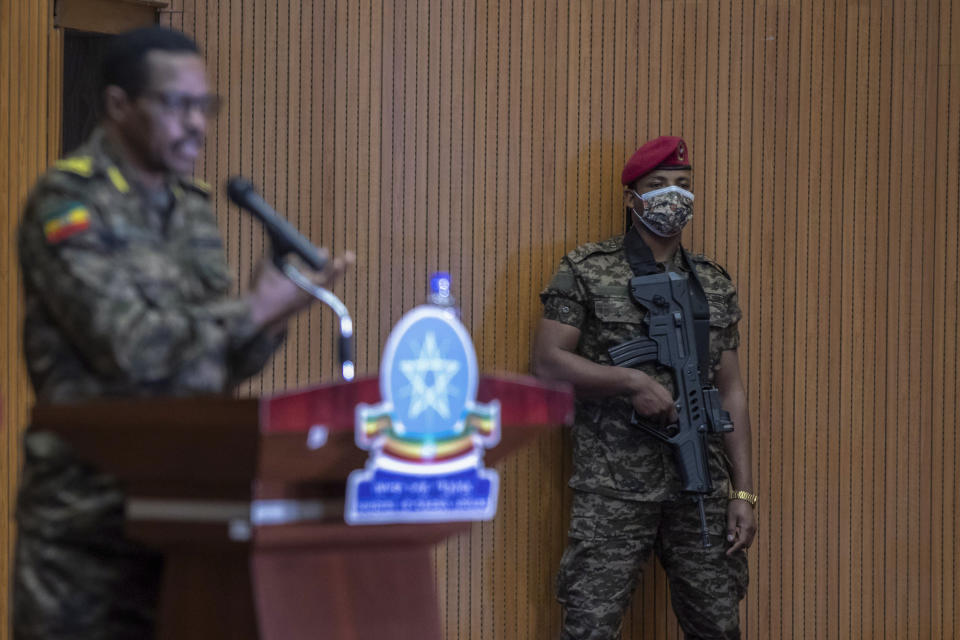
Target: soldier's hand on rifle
(651,399)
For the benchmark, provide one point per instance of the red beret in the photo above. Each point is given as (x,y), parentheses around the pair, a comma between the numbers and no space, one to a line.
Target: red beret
(666,151)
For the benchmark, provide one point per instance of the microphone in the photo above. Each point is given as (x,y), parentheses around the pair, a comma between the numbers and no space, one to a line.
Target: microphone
(286,239)
(283,236)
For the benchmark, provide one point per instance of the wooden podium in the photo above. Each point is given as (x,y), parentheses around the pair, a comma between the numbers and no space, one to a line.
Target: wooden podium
(245,499)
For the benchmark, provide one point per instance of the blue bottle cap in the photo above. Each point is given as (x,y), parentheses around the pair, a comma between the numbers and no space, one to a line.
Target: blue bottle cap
(440,284)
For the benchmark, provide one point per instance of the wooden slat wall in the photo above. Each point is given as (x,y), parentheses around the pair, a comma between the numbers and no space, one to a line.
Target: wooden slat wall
(30,81)
(487,137)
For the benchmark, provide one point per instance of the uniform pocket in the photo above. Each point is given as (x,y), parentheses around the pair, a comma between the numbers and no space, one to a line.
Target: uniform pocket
(617,309)
(598,517)
(157,277)
(720,315)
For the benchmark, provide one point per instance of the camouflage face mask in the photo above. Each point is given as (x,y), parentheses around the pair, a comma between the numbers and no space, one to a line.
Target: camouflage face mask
(665,211)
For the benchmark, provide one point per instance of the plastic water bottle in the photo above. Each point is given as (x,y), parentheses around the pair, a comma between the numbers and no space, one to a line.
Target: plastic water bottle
(440,294)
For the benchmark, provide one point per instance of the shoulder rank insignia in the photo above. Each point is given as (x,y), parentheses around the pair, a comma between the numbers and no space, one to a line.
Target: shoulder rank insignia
(702,259)
(80,165)
(584,251)
(119,182)
(197,185)
(65,221)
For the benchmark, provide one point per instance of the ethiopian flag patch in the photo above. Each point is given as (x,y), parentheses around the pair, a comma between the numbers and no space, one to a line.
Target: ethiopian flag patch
(65,221)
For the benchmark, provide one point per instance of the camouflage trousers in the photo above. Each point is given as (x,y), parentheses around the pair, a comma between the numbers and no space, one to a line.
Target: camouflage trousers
(611,539)
(76,576)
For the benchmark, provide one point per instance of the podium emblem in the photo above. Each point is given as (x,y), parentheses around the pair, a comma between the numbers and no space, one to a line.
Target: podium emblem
(427,438)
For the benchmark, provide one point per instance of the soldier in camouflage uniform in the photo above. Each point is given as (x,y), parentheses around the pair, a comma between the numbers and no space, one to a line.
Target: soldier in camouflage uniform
(127,295)
(627,497)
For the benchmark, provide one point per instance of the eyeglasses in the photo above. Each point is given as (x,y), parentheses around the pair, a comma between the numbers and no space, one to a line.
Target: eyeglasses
(181,104)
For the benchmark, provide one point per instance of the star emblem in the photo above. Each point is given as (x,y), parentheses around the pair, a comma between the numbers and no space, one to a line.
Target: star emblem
(430,363)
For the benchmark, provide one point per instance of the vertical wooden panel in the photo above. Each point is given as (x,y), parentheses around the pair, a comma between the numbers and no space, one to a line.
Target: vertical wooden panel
(30,99)
(29,139)
(943,488)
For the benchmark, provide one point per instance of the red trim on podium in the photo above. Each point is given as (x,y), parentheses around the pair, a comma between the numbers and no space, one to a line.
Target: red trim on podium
(524,402)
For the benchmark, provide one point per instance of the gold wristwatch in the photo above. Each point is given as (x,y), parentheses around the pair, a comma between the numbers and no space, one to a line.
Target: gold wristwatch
(744,495)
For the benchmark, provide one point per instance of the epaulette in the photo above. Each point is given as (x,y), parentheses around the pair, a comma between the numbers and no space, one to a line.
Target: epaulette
(116,178)
(584,251)
(197,185)
(84,167)
(702,259)
(78,165)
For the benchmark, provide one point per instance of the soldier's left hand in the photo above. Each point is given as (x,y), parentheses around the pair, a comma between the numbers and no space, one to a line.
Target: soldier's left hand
(327,277)
(274,298)
(741,525)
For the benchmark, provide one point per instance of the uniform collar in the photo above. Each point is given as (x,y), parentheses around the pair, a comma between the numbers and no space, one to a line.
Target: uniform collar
(675,262)
(159,209)
(106,154)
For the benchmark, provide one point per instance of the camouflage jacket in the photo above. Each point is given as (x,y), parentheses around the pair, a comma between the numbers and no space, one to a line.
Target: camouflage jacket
(127,296)
(589,291)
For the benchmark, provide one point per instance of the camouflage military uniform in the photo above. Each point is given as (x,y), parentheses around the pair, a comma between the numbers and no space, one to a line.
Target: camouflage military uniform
(627,498)
(127,294)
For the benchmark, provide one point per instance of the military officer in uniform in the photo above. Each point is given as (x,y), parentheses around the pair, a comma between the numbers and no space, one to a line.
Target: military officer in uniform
(127,294)
(627,500)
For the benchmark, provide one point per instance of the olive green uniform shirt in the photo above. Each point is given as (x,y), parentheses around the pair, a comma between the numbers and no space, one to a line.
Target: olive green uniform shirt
(590,292)
(127,294)
(138,302)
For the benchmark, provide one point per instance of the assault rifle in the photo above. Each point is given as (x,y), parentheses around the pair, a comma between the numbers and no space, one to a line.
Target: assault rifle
(671,342)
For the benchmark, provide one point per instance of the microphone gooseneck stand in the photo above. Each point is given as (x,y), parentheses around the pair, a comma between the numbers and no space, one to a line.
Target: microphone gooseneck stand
(347,368)
(285,239)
